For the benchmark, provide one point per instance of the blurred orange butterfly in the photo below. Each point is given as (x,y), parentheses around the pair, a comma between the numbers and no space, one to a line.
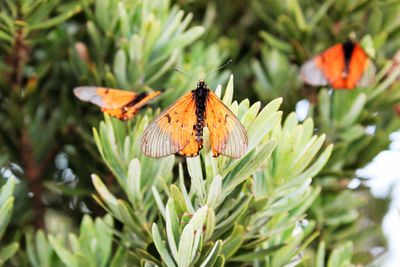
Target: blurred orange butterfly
(343,66)
(179,128)
(117,103)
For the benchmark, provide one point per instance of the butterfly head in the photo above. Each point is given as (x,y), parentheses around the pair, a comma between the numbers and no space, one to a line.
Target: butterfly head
(201,84)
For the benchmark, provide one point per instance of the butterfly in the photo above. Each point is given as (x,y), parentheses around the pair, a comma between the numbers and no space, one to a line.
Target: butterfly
(117,103)
(342,66)
(179,128)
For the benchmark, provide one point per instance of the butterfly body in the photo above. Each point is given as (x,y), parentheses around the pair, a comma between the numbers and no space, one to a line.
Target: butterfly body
(200,96)
(120,104)
(348,48)
(342,66)
(180,128)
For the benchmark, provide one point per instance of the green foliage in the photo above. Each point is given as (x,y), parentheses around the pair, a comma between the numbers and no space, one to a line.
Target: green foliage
(6,208)
(92,247)
(144,52)
(286,201)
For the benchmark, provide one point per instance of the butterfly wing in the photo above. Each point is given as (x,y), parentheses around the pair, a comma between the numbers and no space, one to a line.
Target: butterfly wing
(104,97)
(129,110)
(171,131)
(227,134)
(368,76)
(192,148)
(146,99)
(361,68)
(120,104)
(325,68)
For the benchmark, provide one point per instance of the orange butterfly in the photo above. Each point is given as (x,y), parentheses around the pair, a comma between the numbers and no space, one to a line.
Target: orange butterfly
(179,128)
(117,103)
(343,66)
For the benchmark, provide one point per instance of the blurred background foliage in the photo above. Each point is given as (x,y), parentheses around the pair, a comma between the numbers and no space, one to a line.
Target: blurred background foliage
(146,208)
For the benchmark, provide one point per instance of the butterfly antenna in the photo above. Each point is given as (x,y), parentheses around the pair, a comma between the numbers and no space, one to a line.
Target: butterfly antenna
(214,71)
(184,73)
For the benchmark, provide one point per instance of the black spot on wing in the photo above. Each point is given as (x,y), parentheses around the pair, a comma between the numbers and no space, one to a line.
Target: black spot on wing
(168,117)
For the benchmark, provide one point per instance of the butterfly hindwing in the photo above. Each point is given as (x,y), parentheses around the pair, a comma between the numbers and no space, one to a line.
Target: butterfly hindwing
(171,131)
(227,134)
(368,75)
(192,148)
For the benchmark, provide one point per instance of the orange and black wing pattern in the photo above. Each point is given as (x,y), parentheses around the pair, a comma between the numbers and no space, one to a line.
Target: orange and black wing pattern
(179,129)
(117,103)
(227,134)
(172,130)
(343,66)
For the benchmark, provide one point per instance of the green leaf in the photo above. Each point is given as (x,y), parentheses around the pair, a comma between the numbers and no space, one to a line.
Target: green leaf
(276,43)
(55,20)
(354,112)
(119,258)
(195,172)
(265,121)
(320,258)
(180,201)
(7,190)
(213,255)
(231,246)
(251,256)
(44,250)
(185,246)
(6,252)
(172,227)
(210,224)
(228,96)
(159,202)
(108,198)
(161,247)
(185,38)
(103,232)
(198,218)
(66,257)
(133,182)
(120,67)
(214,193)
(240,207)
(5,215)
(247,167)
(341,256)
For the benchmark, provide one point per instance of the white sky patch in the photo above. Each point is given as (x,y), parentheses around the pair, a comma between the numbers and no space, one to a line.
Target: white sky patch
(370,129)
(354,183)
(302,108)
(384,175)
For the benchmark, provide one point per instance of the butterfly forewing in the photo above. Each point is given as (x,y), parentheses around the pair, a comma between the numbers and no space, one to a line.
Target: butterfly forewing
(117,103)
(312,74)
(104,97)
(142,102)
(170,131)
(325,68)
(361,68)
(227,134)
